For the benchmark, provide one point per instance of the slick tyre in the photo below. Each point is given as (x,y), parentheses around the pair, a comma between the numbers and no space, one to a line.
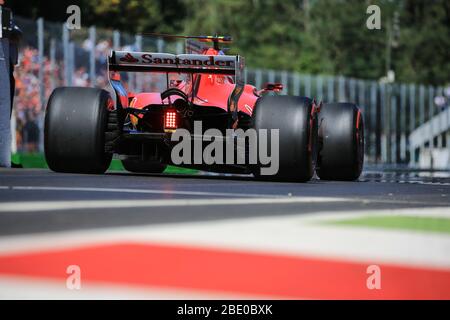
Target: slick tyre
(297,142)
(341,142)
(139,166)
(74,133)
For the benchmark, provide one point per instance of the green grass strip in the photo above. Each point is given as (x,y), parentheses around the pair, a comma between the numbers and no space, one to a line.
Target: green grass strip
(412,223)
(37,160)
(29,160)
(179,170)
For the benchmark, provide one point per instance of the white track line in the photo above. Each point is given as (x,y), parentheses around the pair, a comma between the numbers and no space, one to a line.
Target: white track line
(17,287)
(31,206)
(145,191)
(239,199)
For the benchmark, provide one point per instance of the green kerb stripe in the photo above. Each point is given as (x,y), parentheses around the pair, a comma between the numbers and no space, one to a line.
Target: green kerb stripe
(413,223)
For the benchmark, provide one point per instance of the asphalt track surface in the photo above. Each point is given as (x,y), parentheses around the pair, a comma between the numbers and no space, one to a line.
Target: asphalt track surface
(38,200)
(221,236)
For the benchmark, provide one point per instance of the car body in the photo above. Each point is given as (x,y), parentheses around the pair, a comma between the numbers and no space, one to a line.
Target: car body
(206,87)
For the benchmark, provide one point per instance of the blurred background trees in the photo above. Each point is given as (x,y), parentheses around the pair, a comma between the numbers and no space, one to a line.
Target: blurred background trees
(310,36)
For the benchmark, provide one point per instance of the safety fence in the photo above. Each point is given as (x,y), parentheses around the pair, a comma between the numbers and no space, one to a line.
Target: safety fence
(51,55)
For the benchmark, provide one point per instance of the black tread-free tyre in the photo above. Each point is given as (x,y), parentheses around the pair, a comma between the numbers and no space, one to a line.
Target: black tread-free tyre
(139,166)
(297,135)
(74,134)
(341,142)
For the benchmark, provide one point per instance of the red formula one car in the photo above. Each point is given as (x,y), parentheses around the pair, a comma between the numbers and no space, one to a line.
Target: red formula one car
(196,101)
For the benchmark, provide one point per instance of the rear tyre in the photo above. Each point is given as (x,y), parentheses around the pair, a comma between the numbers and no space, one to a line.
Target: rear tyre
(74,133)
(139,166)
(341,142)
(297,126)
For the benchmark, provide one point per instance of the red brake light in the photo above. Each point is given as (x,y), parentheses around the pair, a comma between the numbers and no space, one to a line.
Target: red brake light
(170,120)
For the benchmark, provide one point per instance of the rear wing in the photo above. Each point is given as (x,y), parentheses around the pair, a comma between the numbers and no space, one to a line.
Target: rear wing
(181,63)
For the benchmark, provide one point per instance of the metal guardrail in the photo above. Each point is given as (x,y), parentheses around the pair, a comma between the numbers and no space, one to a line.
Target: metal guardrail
(433,133)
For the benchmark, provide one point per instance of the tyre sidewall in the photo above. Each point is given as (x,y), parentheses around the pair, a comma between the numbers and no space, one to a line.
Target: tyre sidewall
(340,151)
(292,117)
(74,133)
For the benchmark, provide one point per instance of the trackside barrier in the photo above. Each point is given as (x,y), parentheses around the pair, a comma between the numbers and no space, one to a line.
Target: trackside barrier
(427,142)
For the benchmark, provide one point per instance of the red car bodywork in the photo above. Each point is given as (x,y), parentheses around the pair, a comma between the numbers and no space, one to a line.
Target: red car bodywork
(213,91)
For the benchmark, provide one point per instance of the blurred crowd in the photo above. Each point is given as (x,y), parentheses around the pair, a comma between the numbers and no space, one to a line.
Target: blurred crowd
(28,107)
(27,104)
